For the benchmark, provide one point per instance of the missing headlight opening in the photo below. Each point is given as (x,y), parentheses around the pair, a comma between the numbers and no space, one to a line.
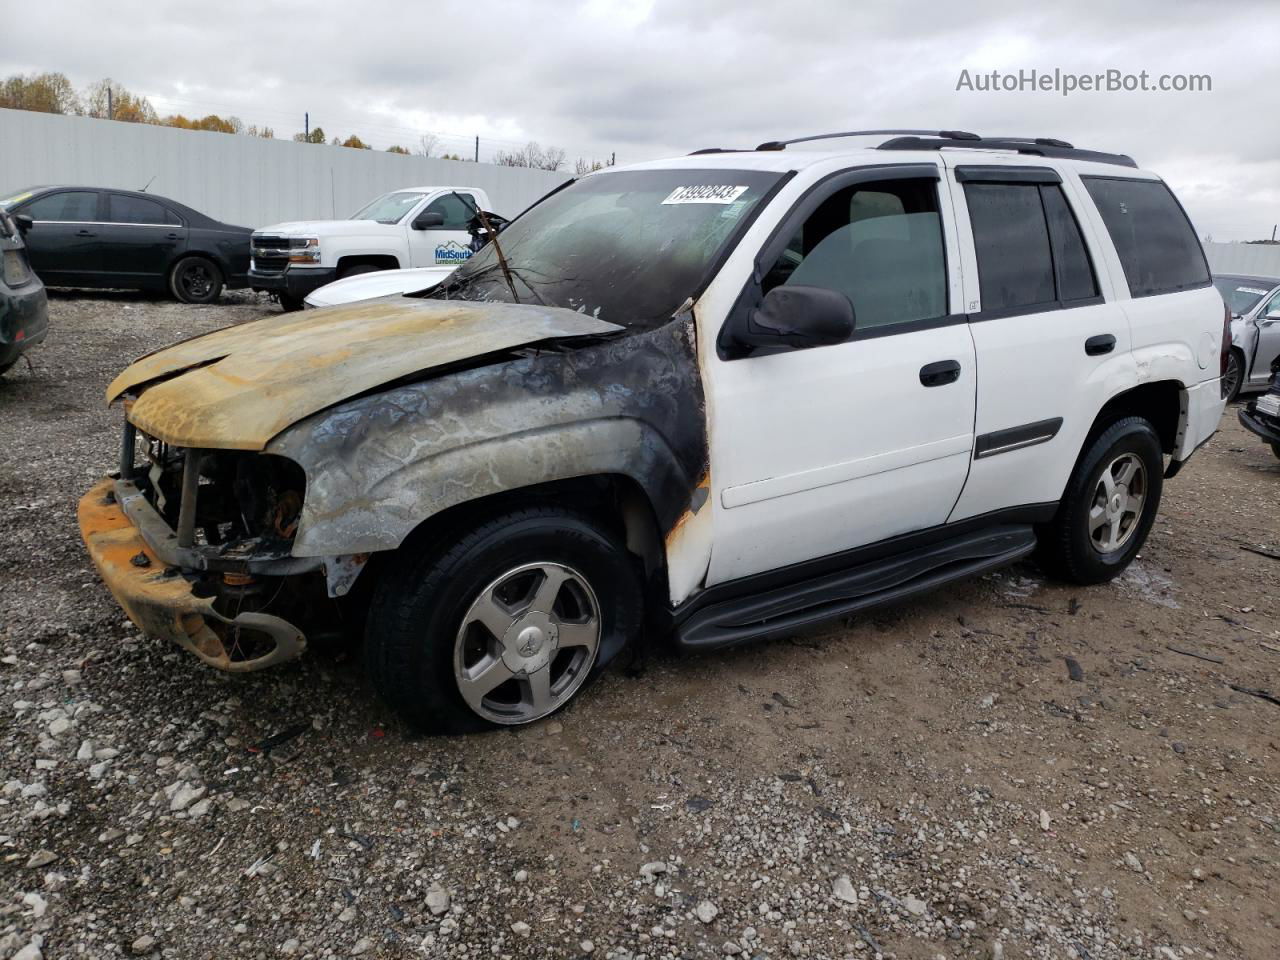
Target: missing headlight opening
(223,523)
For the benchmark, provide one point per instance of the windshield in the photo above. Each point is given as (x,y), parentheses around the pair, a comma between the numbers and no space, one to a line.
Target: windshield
(9,199)
(627,247)
(390,207)
(1241,295)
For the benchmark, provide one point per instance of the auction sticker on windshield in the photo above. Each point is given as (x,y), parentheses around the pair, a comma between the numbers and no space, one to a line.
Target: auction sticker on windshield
(705,193)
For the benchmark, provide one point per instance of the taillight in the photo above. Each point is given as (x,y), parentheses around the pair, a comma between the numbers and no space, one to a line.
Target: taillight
(1226,341)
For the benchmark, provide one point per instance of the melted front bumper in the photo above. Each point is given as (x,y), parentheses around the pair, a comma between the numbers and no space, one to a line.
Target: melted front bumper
(160,600)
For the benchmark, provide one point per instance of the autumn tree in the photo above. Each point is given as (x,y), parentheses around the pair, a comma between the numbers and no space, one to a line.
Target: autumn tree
(41,92)
(315,136)
(352,141)
(107,99)
(396,148)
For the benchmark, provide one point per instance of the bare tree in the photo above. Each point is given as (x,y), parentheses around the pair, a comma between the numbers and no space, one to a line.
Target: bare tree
(531,155)
(427,144)
(582,167)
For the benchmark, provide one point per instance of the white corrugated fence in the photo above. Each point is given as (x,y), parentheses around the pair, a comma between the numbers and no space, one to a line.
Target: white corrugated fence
(234,178)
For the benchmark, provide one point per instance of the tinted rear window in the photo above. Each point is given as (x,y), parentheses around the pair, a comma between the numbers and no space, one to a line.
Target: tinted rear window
(1153,237)
(1015,266)
(122,209)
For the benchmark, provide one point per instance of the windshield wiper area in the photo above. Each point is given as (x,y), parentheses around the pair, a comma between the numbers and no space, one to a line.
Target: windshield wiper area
(493,238)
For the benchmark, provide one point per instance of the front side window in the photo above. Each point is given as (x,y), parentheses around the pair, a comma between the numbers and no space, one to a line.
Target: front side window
(455,210)
(122,209)
(73,206)
(1154,239)
(628,247)
(389,208)
(880,244)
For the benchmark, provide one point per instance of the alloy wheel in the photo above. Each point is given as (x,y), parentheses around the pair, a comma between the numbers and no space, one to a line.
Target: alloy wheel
(1117,503)
(527,643)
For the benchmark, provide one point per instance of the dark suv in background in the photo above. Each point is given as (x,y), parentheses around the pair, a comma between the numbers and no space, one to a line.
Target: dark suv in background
(24,313)
(120,239)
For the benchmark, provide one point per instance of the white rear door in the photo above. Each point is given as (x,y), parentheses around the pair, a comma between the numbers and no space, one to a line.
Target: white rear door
(816,451)
(1051,349)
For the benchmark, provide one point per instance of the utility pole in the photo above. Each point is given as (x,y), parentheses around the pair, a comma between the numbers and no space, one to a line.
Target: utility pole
(306,126)
(111,111)
(477,149)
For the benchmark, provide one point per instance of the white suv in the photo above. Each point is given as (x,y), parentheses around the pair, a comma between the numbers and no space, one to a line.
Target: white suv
(712,398)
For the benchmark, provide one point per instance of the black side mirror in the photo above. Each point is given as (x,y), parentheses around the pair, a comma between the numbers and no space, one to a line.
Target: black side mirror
(428,220)
(799,317)
(23,221)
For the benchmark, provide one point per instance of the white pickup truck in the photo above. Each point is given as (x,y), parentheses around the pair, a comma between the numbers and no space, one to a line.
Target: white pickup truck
(416,227)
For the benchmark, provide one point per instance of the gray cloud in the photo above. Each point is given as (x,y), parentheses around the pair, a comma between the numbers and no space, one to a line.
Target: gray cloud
(648,79)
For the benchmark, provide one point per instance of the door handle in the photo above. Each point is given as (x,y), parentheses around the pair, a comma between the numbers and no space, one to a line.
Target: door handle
(172,236)
(1102,343)
(85,233)
(940,373)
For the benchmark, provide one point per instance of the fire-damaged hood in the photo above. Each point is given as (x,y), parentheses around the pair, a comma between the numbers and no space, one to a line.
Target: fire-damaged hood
(238,387)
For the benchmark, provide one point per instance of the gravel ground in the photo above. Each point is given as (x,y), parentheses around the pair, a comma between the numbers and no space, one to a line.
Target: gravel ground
(1005,768)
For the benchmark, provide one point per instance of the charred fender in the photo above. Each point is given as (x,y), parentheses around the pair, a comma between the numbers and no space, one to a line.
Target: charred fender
(380,465)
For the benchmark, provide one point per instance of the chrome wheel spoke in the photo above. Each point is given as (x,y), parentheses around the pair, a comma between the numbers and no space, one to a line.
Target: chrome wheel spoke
(538,685)
(483,680)
(488,612)
(1097,517)
(553,580)
(1124,475)
(1133,504)
(579,634)
(1108,482)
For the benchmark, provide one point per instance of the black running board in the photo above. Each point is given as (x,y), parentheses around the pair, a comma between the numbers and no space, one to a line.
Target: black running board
(782,610)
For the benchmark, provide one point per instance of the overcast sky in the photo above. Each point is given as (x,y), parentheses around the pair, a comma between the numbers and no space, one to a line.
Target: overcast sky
(648,78)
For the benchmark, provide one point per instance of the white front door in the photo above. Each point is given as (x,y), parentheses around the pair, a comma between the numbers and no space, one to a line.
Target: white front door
(448,245)
(1050,348)
(816,451)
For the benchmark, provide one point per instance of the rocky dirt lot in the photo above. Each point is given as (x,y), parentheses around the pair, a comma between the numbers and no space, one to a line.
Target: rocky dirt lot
(1007,768)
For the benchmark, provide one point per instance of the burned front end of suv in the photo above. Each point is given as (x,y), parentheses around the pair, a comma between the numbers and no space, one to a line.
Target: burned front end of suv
(196,546)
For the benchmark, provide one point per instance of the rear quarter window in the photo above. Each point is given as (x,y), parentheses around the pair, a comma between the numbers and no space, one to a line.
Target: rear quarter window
(1157,246)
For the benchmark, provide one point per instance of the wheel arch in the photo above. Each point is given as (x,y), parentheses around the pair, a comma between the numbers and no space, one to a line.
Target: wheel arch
(1163,403)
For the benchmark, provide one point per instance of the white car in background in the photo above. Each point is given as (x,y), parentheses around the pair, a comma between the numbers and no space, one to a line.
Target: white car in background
(383,283)
(416,227)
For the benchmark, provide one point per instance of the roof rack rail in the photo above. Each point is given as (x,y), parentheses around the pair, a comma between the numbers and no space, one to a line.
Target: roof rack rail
(1034,146)
(948,134)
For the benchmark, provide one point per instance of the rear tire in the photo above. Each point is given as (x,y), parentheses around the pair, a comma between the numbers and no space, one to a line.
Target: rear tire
(503,625)
(195,280)
(1110,503)
(1275,447)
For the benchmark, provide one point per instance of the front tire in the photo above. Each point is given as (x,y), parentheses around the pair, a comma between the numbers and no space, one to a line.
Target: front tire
(1109,506)
(504,625)
(290,304)
(1233,378)
(195,280)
